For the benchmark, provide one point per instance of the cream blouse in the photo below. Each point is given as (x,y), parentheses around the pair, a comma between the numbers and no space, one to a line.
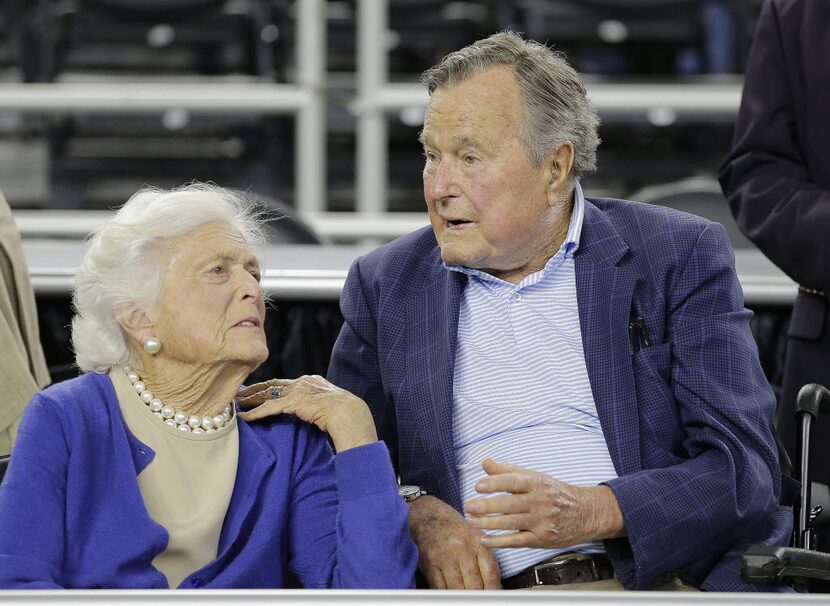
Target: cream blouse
(187,487)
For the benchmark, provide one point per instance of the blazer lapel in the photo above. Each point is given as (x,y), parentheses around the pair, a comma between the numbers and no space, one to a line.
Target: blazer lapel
(604,296)
(433,322)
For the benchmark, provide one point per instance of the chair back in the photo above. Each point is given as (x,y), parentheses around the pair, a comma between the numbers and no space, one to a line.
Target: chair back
(4,463)
(698,196)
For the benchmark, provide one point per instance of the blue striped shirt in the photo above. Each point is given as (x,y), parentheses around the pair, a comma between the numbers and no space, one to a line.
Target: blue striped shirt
(521,388)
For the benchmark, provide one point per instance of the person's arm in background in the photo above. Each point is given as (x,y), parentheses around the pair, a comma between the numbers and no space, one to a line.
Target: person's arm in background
(451,553)
(767,177)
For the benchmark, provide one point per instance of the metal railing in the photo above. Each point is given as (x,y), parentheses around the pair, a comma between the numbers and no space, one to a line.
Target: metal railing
(376,97)
(304,100)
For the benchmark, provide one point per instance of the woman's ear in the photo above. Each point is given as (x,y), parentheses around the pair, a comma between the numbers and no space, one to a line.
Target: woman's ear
(134,322)
(558,165)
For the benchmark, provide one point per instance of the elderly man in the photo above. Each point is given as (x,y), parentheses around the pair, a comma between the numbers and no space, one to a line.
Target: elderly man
(586,361)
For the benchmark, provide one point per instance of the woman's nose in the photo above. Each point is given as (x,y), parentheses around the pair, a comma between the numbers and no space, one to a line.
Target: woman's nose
(248,284)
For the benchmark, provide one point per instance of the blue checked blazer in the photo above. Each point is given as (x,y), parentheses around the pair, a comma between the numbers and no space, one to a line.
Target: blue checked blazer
(686,419)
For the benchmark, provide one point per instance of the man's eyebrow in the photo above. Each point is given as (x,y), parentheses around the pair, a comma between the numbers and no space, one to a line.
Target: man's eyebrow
(464,141)
(457,141)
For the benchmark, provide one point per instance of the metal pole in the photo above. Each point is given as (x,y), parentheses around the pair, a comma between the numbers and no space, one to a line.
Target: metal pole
(803,531)
(309,131)
(372,74)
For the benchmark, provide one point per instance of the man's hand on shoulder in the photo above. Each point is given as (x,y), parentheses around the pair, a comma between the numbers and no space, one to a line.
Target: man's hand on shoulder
(452,555)
(543,511)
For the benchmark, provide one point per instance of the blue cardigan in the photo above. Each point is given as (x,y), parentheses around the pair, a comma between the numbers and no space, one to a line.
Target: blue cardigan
(72,515)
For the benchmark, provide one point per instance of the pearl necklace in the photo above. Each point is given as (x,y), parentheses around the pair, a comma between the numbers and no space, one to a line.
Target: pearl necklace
(177,418)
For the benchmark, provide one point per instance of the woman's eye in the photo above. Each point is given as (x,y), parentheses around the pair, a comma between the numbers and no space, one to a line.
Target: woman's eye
(218,269)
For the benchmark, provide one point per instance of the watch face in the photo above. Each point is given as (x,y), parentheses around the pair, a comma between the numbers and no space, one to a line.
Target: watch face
(409,493)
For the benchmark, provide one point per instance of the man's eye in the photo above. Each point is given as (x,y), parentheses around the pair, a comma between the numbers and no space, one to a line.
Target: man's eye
(217,269)
(257,276)
(468,159)
(430,157)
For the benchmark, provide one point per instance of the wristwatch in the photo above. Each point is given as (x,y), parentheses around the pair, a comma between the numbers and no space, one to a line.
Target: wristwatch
(410,493)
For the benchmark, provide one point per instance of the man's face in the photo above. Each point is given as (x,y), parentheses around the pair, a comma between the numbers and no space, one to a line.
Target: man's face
(488,205)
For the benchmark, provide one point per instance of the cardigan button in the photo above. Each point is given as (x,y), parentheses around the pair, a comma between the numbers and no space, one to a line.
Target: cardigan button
(196,581)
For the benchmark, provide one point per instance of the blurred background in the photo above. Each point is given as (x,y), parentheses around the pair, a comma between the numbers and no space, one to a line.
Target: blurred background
(315,107)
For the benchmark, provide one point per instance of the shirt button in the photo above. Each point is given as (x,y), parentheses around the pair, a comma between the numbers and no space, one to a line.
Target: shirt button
(516,296)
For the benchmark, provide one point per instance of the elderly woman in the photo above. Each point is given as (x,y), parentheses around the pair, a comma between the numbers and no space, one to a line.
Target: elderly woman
(141,473)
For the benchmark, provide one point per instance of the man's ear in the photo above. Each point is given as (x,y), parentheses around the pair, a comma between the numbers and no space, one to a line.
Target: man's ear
(134,322)
(558,166)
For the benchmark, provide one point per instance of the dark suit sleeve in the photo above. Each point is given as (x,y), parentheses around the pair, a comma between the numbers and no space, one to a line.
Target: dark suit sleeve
(354,364)
(725,483)
(771,175)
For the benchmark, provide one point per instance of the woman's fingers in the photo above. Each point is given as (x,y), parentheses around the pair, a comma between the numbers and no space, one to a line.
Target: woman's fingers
(345,417)
(254,395)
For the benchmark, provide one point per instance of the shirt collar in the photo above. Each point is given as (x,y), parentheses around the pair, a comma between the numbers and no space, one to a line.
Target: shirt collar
(567,249)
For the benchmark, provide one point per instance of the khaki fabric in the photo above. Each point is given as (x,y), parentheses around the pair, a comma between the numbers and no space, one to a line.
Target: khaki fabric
(187,487)
(23,370)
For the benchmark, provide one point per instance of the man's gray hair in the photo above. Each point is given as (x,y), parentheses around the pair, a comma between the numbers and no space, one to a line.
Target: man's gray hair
(122,264)
(556,108)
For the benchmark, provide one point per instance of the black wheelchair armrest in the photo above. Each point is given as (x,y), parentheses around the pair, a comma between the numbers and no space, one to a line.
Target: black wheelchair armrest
(766,565)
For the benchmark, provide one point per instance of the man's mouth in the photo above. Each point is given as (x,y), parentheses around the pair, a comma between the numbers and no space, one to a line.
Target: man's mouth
(457,223)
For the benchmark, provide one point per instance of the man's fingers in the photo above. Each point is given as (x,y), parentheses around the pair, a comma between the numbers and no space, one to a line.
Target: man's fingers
(506,482)
(491,466)
(521,538)
(452,577)
(510,503)
(499,522)
(435,579)
(470,573)
(489,568)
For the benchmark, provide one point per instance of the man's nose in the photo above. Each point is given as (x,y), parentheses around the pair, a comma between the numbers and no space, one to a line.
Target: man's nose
(440,180)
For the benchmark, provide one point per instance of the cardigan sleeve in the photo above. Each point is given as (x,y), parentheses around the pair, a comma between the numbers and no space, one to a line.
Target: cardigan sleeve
(32,499)
(347,527)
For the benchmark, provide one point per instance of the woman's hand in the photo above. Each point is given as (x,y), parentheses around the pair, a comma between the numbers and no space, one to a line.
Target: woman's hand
(342,415)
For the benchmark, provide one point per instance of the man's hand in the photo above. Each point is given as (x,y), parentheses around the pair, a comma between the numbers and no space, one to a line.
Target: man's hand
(542,511)
(452,555)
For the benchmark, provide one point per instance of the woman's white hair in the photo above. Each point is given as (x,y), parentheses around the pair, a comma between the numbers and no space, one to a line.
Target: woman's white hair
(556,107)
(120,267)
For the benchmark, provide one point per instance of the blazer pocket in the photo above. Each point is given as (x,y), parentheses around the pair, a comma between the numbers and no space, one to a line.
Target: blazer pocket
(653,360)
(659,415)
(807,320)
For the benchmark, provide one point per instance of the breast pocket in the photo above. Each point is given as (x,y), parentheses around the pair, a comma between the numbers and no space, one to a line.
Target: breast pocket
(659,414)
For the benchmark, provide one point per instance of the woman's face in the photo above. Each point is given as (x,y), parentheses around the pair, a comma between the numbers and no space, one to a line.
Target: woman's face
(210,309)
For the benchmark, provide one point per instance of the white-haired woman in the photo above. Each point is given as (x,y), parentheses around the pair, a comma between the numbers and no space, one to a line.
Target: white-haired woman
(141,474)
